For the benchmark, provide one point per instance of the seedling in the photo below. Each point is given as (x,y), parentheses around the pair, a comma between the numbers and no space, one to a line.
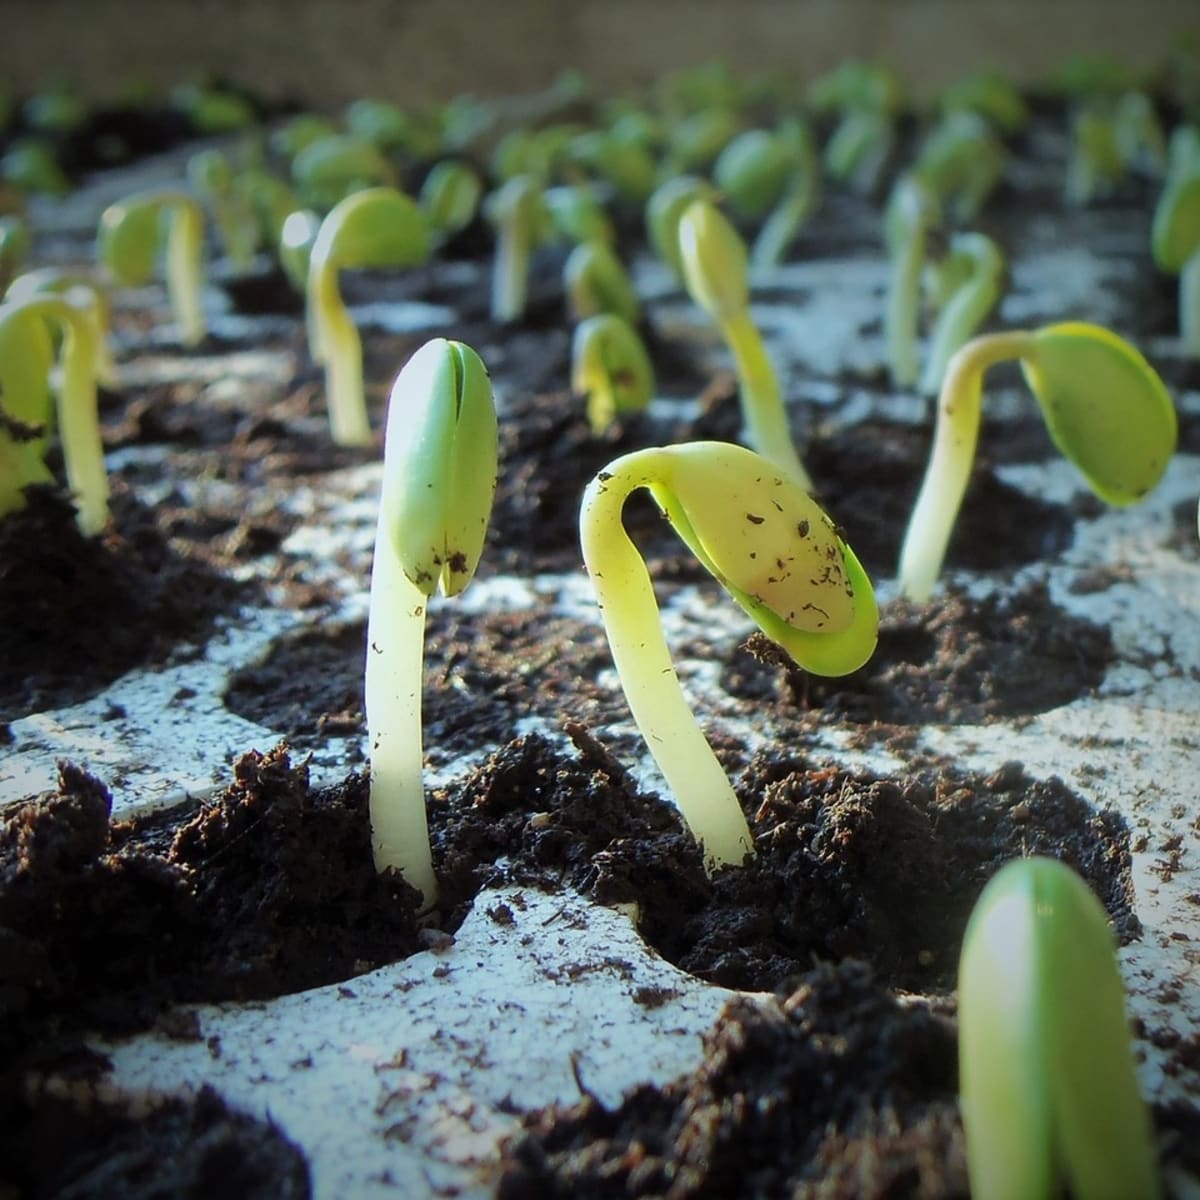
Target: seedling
(1095,166)
(696,140)
(972,276)
(1175,235)
(912,211)
(128,245)
(377,227)
(665,207)
(519,216)
(993,96)
(378,122)
(772,548)
(577,216)
(211,110)
(212,178)
(337,166)
(595,281)
(85,294)
(859,148)
(1105,408)
(297,236)
(29,165)
(1139,134)
(1046,1069)
(962,161)
(25,360)
(450,197)
(801,195)
(288,140)
(627,167)
(439,478)
(14,248)
(610,366)
(752,171)
(715,271)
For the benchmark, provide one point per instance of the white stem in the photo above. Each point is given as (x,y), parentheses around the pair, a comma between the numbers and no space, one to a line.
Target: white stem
(185,270)
(79,424)
(903,303)
(510,277)
(702,791)
(395,658)
(963,313)
(1189,305)
(954,440)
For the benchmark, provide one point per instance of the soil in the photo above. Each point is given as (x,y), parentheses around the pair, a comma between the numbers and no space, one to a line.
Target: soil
(857,896)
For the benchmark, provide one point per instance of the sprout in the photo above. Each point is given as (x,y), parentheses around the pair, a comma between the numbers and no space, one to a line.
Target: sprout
(627,166)
(212,178)
(856,86)
(596,282)
(696,140)
(85,294)
(992,96)
(1095,165)
(519,216)
(377,227)
(859,148)
(1175,235)
(339,165)
(378,122)
(962,161)
(610,366)
(977,270)
(801,194)
(271,201)
(1139,135)
(439,478)
(663,211)
(714,261)
(288,140)
(128,245)
(1104,405)
(576,215)
(450,197)
(1045,1062)
(25,358)
(912,211)
(211,110)
(752,171)
(770,545)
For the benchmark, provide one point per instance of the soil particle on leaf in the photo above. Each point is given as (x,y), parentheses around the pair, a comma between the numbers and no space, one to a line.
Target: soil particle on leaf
(76,612)
(839,1090)
(956,660)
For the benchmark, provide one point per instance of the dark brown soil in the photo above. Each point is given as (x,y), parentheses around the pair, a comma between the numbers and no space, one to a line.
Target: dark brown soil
(77,612)
(837,1090)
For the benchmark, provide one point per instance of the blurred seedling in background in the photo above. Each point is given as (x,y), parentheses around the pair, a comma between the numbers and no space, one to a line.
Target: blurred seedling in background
(129,241)
(518,215)
(375,227)
(610,367)
(1175,234)
(912,212)
(596,281)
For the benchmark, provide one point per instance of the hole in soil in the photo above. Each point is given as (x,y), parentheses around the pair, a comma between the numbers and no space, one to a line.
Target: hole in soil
(955,661)
(77,613)
(849,865)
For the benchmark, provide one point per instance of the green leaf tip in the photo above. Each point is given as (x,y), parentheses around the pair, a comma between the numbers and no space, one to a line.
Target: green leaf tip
(1045,1062)
(375,227)
(1105,406)
(440,460)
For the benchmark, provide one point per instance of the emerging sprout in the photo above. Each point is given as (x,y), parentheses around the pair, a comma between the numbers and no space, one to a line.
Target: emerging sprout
(450,196)
(377,227)
(519,216)
(769,544)
(339,165)
(595,281)
(859,148)
(85,294)
(1104,405)
(439,478)
(752,171)
(962,161)
(577,216)
(1095,166)
(626,166)
(296,238)
(801,194)
(1175,235)
(212,178)
(1139,135)
(288,140)
(992,96)
(663,211)
(211,110)
(912,211)
(715,271)
(972,276)
(378,122)
(25,358)
(610,366)
(1045,1063)
(696,140)
(128,245)
(29,165)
